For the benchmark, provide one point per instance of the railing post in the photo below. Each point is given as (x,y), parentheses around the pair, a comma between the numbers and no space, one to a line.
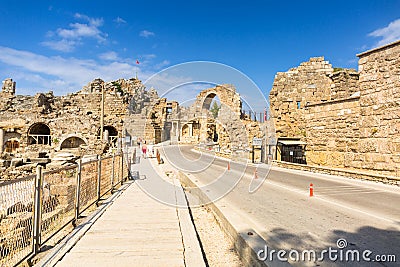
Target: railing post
(129,166)
(78,192)
(112,173)
(98,179)
(37,215)
(122,167)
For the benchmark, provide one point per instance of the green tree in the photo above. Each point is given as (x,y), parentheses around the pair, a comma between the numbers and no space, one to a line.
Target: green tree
(215,109)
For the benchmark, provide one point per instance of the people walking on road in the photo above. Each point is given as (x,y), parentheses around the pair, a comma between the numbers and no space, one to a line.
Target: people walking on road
(144,149)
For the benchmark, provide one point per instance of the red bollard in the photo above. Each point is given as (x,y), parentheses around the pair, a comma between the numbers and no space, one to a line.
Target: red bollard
(311,190)
(229,166)
(255,174)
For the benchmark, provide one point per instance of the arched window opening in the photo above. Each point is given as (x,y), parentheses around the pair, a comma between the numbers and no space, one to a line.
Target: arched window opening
(39,133)
(72,142)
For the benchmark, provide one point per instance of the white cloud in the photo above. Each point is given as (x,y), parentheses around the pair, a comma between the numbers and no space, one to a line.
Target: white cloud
(119,20)
(39,73)
(69,38)
(388,34)
(146,34)
(96,22)
(149,56)
(79,30)
(170,86)
(62,45)
(162,64)
(109,56)
(62,74)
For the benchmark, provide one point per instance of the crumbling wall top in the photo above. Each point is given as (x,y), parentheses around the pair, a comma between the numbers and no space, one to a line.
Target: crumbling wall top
(8,86)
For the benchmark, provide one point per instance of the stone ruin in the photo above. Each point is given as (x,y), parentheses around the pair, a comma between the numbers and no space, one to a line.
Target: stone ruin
(49,129)
(341,118)
(229,133)
(322,115)
(37,129)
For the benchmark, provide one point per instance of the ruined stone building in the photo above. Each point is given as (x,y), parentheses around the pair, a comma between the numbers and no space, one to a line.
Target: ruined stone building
(34,126)
(341,118)
(230,133)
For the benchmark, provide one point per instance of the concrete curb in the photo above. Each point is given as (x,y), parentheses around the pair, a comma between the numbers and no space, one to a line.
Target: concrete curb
(193,255)
(245,240)
(66,244)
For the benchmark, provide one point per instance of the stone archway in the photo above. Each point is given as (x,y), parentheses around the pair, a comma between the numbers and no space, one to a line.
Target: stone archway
(228,114)
(185,130)
(207,100)
(227,95)
(190,131)
(39,133)
(72,142)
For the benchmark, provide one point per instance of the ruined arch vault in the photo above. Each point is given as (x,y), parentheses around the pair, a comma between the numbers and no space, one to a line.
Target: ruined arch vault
(227,130)
(227,95)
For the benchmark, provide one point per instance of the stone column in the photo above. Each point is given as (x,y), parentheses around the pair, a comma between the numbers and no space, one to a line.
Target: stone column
(190,129)
(1,140)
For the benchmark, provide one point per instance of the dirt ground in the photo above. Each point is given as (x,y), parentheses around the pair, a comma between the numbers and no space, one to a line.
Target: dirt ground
(217,247)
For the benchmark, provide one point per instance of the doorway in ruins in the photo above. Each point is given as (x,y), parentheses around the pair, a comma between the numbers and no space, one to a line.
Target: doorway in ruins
(12,145)
(211,106)
(110,134)
(39,133)
(157,135)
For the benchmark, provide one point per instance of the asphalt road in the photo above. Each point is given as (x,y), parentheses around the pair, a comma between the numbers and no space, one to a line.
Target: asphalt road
(365,214)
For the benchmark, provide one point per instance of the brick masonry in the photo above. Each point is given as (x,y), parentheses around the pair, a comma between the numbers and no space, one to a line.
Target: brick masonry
(349,119)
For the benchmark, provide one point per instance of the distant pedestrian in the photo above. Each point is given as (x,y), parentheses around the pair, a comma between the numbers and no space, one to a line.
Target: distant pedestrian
(150,151)
(144,149)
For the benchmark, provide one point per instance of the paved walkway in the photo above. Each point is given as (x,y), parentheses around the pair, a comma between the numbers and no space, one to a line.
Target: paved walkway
(137,230)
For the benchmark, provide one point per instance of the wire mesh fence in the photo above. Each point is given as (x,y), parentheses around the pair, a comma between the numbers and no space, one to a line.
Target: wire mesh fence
(58,197)
(35,208)
(106,175)
(16,207)
(88,192)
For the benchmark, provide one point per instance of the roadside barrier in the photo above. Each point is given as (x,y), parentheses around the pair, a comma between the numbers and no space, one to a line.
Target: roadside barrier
(34,209)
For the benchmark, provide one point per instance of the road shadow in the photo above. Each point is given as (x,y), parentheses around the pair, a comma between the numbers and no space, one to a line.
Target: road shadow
(135,175)
(382,243)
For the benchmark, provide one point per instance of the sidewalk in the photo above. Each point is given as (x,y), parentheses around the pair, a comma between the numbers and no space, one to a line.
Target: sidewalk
(137,230)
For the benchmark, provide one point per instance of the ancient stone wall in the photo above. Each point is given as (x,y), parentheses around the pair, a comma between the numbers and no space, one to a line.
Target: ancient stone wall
(349,120)
(345,83)
(228,132)
(332,132)
(380,108)
(8,87)
(74,115)
(292,90)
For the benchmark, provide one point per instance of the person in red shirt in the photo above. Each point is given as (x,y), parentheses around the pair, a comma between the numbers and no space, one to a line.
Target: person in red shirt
(144,149)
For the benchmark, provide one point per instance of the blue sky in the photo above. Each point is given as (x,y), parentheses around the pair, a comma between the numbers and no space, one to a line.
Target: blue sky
(63,45)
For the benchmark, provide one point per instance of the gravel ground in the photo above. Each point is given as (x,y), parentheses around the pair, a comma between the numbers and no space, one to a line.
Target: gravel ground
(218,249)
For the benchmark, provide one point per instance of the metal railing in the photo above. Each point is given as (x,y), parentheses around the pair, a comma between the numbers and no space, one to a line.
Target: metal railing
(40,139)
(254,115)
(35,208)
